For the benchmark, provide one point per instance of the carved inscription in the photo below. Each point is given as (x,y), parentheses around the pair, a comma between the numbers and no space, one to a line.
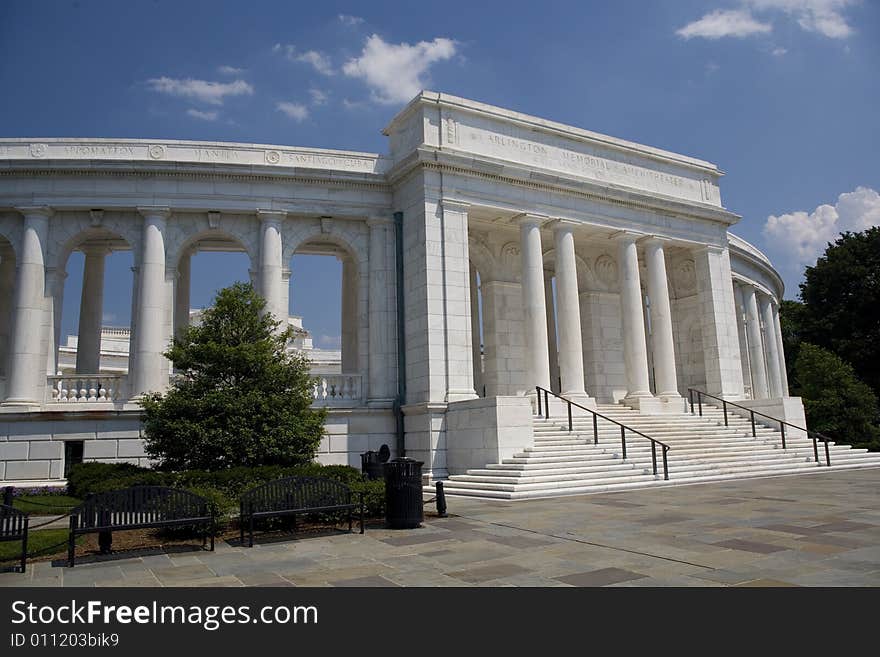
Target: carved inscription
(216,155)
(99,150)
(329,162)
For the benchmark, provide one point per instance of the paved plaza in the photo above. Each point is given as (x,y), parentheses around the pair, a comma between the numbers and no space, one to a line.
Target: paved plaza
(814,530)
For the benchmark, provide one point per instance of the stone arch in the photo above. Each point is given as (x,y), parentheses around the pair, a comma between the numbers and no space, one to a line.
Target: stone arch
(10,229)
(186,230)
(69,230)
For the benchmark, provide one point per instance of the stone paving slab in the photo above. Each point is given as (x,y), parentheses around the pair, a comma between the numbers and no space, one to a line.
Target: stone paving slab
(822,530)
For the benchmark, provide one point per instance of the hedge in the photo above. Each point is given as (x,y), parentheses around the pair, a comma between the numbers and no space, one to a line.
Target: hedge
(222,488)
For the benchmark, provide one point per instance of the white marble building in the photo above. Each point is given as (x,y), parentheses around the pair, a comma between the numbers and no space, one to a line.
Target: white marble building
(594,266)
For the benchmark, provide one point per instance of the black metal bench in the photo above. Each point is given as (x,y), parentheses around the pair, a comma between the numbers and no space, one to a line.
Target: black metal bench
(139,507)
(293,496)
(14,527)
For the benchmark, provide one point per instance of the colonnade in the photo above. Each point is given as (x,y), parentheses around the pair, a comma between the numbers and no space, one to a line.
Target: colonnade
(762,333)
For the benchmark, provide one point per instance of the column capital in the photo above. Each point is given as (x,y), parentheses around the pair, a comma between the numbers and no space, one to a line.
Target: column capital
(626,236)
(654,239)
(35,210)
(531,219)
(560,225)
(271,216)
(154,211)
(453,205)
(95,249)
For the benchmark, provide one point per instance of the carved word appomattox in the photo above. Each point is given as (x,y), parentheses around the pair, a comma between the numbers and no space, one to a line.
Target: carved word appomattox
(96,150)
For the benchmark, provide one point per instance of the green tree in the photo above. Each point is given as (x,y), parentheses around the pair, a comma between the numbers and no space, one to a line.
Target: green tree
(791,323)
(835,401)
(241,399)
(841,296)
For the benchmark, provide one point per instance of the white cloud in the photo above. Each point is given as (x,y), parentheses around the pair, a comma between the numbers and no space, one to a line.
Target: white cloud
(779,52)
(205,116)
(822,16)
(295,111)
(712,67)
(212,93)
(320,61)
(799,238)
(724,23)
(352,104)
(318,97)
(350,21)
(394,72)
(229,70)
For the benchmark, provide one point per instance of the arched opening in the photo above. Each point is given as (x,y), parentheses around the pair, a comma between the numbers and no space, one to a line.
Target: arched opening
(208,263)
(328,312)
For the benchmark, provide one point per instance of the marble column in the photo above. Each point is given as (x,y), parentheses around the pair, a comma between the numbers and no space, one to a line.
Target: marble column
(7,291)
(568,315)
(151,310)
(777,329)
(771,346)
(27,365)
(182,293)
(537,358)
(665,378)
(476,341)
(552,347)
(635,351)
(741,334)
(349,316)
(91,308)
(382,325)
(756,352)
(270,263)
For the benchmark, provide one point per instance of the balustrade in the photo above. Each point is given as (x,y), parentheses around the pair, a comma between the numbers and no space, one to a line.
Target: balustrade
(338,389)
(85,388)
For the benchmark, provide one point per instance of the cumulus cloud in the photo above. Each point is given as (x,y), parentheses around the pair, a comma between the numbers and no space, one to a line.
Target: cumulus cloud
(329,341)
(318,60)
(295,111)
(350,21)
(800,237)
(724,23)
(824,17)
(204,116)
(779,52)
(229,70)
(396,72)
(212,93)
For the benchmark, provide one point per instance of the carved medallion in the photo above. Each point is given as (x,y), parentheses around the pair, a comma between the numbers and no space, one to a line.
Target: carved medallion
(509,251)
(273,157)
(39,150)
(685,278)
(606,269)
(157,151)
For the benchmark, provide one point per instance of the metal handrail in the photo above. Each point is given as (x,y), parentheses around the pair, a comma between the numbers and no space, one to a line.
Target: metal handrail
(623,428)
(752,413)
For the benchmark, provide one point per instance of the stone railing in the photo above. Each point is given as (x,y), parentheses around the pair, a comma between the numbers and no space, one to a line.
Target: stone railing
(85,388)
(338,390)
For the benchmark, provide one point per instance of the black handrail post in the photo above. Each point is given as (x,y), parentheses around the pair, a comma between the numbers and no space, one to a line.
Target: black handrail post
(539,399)
(569,418)
(815,449)
(700,402)
(782,430)
(724,406)
(665,467)
(546,406)
(623,440)
(754,434)
(691,399)
(595,429)
(827,453)
(654,456)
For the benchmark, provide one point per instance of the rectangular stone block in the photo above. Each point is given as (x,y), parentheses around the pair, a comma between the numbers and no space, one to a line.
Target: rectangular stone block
(56,469)
(14,451)
(131,448)
(53,449)
(99,449)
(27,470)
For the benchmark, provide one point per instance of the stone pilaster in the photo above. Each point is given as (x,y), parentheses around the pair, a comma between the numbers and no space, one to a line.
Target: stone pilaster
(382,342)
(270,263)
(771,346)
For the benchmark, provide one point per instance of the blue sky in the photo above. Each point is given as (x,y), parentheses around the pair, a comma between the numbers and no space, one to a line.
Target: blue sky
(782,94)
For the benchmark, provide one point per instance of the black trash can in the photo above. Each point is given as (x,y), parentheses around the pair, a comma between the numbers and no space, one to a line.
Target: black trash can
(371,466)
(403,493)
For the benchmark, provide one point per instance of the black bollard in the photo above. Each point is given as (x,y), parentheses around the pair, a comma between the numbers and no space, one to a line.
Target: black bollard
(7,495)
(441,500)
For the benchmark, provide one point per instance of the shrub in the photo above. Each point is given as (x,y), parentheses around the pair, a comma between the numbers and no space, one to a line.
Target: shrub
(84,477)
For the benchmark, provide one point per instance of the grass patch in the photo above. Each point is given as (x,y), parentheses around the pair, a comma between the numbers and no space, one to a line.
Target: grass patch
(45,505)
(38,542)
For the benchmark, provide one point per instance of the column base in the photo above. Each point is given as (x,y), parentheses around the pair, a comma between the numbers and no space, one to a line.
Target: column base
(460,395)
(20,404)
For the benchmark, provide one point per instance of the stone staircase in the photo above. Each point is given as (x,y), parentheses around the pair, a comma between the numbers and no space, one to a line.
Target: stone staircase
(702,449)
